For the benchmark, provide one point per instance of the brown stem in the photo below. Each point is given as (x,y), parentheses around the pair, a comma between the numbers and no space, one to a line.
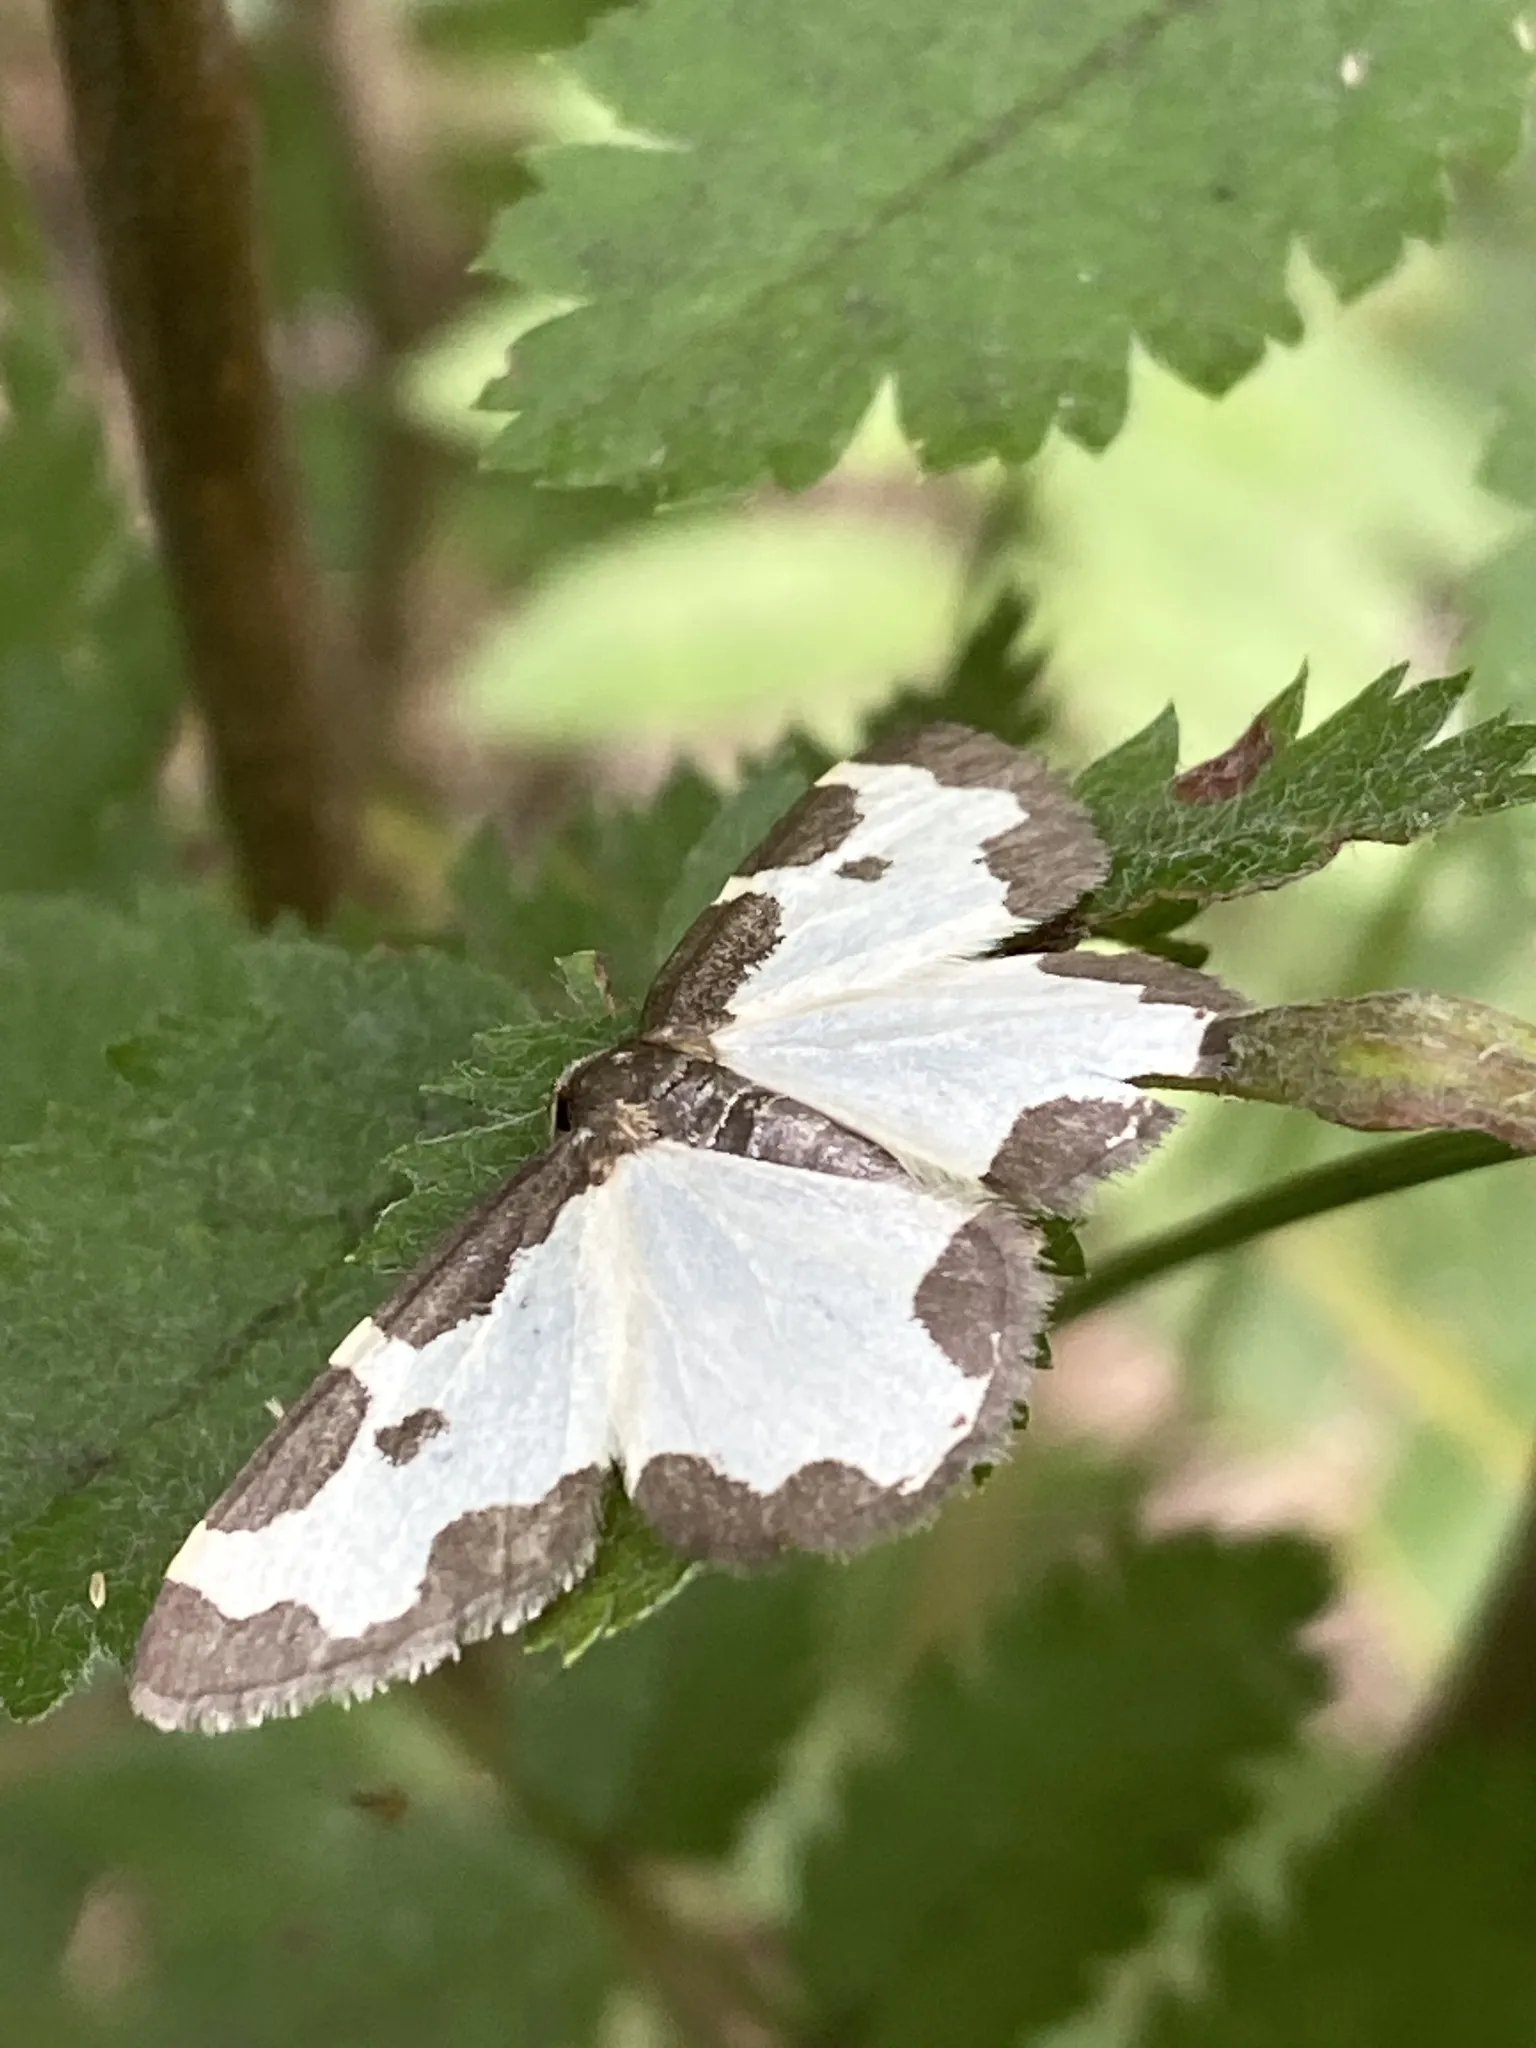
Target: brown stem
(161,122)
(412,264)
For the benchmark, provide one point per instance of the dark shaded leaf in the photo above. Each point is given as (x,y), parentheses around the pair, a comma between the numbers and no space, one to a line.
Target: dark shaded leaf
(173,1893)
(1412,1929)
(1021,1825)
(991,683)
(664,1738)
(599,885)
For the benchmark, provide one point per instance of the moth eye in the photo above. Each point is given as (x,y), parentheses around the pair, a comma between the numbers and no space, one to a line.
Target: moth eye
(560,1115)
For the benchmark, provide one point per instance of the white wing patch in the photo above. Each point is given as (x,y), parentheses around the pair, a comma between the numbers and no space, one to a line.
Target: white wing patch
(939,1070)
(772,1321)
(522,1397)
(846,927)
(496,1418)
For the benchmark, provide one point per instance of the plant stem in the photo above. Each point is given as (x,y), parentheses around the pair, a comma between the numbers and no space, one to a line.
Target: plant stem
(161,122)
(412,264)
(1382,1170)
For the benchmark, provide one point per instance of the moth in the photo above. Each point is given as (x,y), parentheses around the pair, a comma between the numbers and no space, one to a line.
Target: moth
(778,1266)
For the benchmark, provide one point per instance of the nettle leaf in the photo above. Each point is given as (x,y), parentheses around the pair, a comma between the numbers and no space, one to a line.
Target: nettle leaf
(174,1240)
(961,196)
(1279,804)
(1020,1827)
(665,1738)
(1403,1060)
(78,982)
(632,1575)
(166,1894)
(89,684)
(495,1114)
(1413,1924)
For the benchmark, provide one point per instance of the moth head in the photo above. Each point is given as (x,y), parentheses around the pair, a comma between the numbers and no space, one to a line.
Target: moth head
(562,1105)
(588,1092)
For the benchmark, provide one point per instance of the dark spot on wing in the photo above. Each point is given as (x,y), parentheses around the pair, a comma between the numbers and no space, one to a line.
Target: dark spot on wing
(989,1292)
(1160,981)
(1057,1150)
(808,831)
(832,1506)
(694,991)
(308,1445)
(1048,861)
(400,1441)
(984,1297)
(1227,774)
(197,1668)
(868,869)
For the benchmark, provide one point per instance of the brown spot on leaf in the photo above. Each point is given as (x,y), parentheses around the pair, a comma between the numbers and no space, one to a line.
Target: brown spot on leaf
(388,1804)
(400,1441)
(308,1445)
(1228,774)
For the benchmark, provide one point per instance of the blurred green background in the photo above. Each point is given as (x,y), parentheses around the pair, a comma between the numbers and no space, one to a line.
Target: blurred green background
(1371,1376)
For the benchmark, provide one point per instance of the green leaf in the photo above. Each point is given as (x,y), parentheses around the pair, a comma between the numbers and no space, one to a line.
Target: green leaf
(1413,1925)
(484,29)
(78,983)
(1276,806)
(268,1892)
(632,1575)
(1028,1813)
(942,195)
(89,686)
(1404,1060)
(664,1738)
(494,1114)
(174,1237)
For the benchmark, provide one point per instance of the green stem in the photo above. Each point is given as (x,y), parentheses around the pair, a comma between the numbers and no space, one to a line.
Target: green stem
(1403,1163)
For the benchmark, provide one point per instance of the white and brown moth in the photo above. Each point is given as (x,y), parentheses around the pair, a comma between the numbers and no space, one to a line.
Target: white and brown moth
(775,1265)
